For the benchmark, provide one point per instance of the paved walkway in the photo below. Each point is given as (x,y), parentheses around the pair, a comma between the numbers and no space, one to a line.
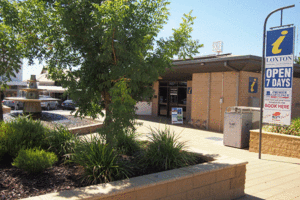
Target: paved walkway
(272,177)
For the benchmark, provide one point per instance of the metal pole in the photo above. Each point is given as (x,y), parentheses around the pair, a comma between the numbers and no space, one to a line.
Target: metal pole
(263,74)
(281,18)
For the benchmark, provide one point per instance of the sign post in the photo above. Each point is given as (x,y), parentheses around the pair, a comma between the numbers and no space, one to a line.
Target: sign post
(276,49)
(177,116)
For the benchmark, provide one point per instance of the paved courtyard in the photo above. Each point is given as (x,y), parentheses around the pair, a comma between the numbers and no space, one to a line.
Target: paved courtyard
(272,177)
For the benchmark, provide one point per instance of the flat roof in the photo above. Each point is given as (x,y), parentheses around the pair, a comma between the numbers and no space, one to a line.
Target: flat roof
(184,69)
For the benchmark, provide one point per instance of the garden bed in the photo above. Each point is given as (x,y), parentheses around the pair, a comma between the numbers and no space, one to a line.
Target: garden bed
(16,183)
(74,124)
(275,144)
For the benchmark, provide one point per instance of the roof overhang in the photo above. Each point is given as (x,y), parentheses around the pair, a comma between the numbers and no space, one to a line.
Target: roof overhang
(183,70)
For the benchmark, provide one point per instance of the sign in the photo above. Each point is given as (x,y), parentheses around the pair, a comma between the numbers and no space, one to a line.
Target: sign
(253,82)
(177,116)
(189,90)
(279,76)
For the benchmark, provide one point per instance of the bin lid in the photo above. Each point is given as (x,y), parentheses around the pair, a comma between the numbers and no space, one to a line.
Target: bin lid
(241,109)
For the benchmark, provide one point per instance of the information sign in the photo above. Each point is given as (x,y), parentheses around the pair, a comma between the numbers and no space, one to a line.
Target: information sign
(279,76)
(177,116)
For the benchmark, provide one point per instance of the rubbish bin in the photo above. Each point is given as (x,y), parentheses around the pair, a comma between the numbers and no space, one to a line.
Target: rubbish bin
(237,125)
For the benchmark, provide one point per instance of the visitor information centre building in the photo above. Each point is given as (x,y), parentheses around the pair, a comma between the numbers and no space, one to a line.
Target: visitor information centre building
(205,86)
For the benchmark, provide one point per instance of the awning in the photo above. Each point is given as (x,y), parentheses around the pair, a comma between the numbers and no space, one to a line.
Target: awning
(20,83)
(57,89)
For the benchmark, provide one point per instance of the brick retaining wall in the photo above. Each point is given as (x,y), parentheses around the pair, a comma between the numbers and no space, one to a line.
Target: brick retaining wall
(82,130)
(6,109)
(223,178)
(275,144)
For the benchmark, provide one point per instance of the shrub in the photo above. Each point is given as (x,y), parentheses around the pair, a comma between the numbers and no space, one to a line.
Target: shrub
(23,132)
(99,161)
(60,141)
(293,129)
(34,160)
(166,152)
(127,143)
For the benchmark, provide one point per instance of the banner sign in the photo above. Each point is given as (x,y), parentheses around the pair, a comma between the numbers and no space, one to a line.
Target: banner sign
(279,76)
(177,116)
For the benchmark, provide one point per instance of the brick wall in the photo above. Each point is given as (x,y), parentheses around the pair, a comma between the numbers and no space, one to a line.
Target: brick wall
(155,100)
(6,109)
(189,102)
(244,86)
(275,144)
(296,98)
(207,87)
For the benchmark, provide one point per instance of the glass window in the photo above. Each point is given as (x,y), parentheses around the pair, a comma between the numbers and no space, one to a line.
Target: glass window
(163,83)
(163,94)
(182,95)
(172,83)
(182,83)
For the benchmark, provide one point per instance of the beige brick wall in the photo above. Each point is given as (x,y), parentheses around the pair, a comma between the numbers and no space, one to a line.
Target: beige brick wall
(6,109)
(201,88)
(189,102)
(200,85)
(85,129)
(244,86)
(296,98)
(275,144)
(155,100)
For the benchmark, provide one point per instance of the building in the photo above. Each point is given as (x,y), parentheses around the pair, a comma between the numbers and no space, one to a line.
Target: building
(15,84)
(50,87)
(205,86)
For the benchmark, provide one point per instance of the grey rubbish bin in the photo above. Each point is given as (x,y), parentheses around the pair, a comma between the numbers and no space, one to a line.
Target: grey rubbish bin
(237,125)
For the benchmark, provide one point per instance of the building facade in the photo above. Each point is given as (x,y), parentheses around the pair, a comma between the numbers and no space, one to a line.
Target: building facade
(206,86)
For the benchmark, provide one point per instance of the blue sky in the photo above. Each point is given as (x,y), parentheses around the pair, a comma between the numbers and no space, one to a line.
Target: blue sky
(239,24)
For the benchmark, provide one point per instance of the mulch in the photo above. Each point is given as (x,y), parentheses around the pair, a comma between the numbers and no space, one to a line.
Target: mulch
(17,184)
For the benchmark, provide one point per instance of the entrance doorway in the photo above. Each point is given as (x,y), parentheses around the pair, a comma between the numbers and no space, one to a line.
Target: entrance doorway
(172,94)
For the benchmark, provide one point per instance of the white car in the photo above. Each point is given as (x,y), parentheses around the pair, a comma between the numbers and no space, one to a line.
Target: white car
(13,104)
(48,104)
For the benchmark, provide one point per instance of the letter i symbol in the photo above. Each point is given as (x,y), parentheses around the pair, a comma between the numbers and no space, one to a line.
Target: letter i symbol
(276,44)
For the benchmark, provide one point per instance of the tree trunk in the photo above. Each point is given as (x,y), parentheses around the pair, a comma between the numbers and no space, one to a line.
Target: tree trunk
(108,118)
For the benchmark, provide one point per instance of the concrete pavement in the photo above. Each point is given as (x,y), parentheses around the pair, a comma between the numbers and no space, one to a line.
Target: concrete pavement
(272,177)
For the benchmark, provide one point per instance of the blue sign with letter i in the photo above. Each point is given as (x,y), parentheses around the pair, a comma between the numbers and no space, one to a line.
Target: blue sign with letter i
(280,42)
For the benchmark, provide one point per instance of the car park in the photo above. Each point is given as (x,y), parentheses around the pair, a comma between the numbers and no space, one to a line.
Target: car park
(48,104)
(68,104)
(13,104)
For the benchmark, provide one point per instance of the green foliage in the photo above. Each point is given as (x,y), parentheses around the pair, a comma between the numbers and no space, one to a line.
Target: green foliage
(99,161)
(127,143)
(166,152)
(61,141)
(34,160)
(23,132)
(293,129)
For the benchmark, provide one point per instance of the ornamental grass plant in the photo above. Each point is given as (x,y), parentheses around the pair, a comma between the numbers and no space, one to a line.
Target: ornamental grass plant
(165,152)
(99,160)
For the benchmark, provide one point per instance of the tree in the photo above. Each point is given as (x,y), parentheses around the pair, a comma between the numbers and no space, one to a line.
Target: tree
(297,60)
(108,46)
(10,48)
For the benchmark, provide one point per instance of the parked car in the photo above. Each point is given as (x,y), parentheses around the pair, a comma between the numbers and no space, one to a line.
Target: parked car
(13,104)
(48,104)
(68,104)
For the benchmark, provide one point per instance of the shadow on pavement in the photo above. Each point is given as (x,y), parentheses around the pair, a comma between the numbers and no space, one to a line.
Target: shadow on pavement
(249,197)
(166,120)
